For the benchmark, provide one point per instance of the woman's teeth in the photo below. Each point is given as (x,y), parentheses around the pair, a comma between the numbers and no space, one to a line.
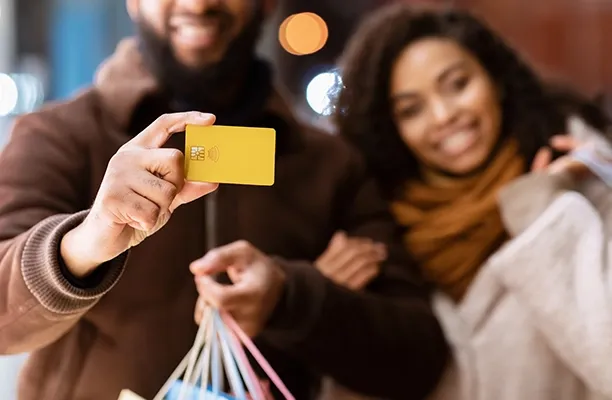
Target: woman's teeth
(457,143)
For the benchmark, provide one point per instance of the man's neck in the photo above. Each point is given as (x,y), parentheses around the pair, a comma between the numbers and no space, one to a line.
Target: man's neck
(222,92)
(234,98)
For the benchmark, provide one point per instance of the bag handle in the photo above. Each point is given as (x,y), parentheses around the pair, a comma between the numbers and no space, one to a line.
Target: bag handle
(219,343)
(261,360)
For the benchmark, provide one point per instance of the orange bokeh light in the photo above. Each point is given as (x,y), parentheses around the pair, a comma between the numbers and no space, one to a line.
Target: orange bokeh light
(303,33)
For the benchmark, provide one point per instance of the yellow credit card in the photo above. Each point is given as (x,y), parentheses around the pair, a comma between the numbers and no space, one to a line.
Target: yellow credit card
(230,154)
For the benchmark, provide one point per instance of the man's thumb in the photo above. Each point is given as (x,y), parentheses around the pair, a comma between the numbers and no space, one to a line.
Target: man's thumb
(192,191)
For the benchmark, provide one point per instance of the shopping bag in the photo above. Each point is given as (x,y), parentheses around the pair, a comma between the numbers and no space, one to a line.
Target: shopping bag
(218,352)
(192,392)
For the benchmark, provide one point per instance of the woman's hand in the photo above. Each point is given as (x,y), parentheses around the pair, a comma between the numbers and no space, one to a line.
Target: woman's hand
(351,262)
(565,144)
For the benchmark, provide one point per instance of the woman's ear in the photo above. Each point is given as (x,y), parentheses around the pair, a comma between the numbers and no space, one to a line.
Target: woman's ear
(133,7)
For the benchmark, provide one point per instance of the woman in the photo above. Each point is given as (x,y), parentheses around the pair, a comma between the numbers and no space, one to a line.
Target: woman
(451,121)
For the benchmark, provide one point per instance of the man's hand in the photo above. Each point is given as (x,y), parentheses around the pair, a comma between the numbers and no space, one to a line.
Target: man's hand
(257,284)
(142,186)
(351,262)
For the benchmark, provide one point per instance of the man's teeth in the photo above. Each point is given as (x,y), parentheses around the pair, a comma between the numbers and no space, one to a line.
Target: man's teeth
(195,31)
(457,142)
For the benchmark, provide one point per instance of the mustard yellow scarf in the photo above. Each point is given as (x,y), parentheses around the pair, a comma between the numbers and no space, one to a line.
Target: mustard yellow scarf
(453,229)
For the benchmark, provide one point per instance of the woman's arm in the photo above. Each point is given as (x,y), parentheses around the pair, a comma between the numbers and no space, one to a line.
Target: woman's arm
(560,271)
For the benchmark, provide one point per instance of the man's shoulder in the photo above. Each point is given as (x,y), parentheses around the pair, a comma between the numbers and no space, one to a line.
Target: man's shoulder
(77,116)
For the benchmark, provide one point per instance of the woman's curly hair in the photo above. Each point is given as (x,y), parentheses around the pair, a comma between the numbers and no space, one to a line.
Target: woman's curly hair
(531,110)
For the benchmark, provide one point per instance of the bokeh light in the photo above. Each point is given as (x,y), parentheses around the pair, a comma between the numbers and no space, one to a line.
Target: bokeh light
(9,95)
(321,90)
(303,33)
(19,94)
(30,92)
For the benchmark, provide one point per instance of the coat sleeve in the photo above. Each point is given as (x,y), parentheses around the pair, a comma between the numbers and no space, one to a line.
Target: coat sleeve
(560,271)
(43,180)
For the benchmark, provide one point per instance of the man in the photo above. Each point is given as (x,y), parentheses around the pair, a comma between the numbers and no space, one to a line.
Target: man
(98,226)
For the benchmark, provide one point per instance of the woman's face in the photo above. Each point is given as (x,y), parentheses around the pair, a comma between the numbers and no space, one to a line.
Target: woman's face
(445,106)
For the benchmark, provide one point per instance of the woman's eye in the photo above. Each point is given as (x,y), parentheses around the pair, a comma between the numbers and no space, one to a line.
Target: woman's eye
(407,111)
(459,83)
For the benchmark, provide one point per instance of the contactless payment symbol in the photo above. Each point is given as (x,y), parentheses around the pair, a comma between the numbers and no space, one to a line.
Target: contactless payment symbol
(213,154)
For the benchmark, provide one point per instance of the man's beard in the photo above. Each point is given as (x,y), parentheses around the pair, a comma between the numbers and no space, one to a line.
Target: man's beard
(210,87)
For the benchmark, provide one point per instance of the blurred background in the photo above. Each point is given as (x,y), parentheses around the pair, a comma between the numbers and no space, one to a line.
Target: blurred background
(51,48)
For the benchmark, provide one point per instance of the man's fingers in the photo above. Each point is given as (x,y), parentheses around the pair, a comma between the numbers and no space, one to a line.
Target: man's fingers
(168,164)
(157,190)
(158,133)
(234,274)
(192,191)
(218,295)
(220,259)
(199,310)
(139,212)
